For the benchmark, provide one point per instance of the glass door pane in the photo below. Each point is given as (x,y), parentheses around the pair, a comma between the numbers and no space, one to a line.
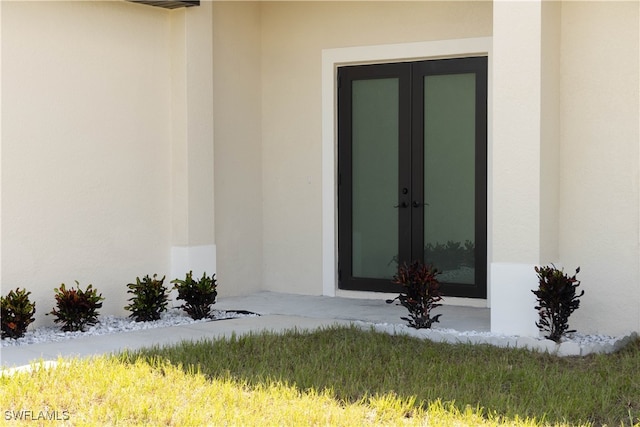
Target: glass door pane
(375,177)
(449,175)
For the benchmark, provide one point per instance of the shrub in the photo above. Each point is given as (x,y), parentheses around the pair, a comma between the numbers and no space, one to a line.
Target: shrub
(557,299)
(149,298)
(76,308)
(16,313)
(198,295)
(420,295)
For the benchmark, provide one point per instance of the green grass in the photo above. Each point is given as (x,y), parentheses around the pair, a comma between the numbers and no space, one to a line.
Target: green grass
(600,389)
(335,376)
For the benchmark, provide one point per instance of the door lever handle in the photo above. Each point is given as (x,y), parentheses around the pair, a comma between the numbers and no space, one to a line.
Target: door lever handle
(416,204)
(402,205)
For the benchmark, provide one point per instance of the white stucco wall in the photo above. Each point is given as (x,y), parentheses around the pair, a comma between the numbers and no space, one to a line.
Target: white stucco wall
(85,147)
(550,131)
(192,152)
(517,117)
(524,170)
(565,171)
(238,151)
(599,154)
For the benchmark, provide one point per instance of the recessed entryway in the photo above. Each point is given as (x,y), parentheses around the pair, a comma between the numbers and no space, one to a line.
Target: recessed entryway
(412,172)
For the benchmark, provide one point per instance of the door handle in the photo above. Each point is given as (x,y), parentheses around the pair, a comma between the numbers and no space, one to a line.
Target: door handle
(402,205)
(417,204)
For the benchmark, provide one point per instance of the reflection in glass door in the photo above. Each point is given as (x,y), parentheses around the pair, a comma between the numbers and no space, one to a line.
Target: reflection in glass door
(412,173)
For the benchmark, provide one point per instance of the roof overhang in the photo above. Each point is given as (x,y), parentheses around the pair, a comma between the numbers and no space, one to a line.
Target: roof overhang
(168,4)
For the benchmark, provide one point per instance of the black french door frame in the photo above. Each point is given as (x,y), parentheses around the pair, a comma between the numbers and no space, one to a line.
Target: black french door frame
(477,66)
(410,203)
(346,75)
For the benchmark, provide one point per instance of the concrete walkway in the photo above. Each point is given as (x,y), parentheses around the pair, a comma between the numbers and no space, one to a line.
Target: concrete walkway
(278,312)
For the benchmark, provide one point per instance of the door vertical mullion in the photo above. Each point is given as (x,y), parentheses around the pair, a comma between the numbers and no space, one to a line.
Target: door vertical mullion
(405,230)
(417,164)
(344,178)
(481,175)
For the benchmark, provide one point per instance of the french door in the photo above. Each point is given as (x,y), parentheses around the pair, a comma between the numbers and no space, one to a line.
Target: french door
(412,173)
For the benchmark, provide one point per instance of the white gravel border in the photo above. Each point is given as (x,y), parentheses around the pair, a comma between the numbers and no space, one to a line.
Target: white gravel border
(113,324)
(574,344)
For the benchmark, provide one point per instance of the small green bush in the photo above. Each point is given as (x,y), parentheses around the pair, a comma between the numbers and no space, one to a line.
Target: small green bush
(16,313)
(421,293)
(198,295)
(149,298)
(557,299)
(76,308)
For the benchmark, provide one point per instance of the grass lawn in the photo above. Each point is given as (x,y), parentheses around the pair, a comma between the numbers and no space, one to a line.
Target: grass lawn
(335,376)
